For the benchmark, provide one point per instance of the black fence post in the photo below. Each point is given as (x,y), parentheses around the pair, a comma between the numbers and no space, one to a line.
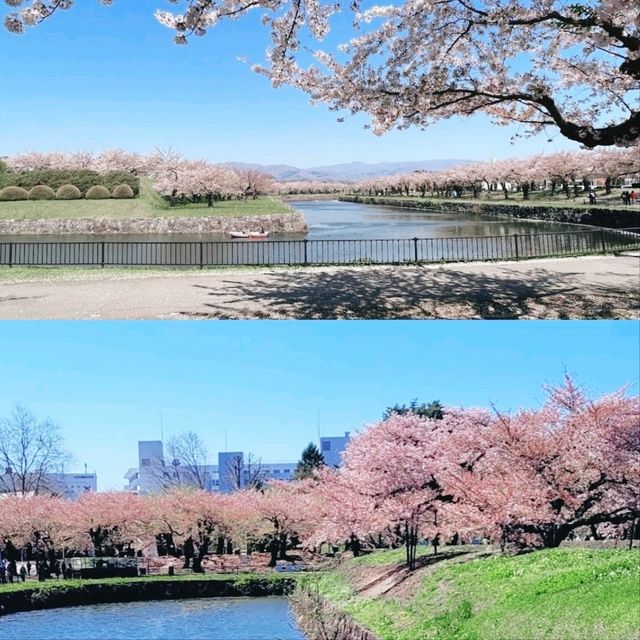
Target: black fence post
(603,240)
(306,256)
(102,254)
(515,238)
(201,255)
(415,249)
(11,254)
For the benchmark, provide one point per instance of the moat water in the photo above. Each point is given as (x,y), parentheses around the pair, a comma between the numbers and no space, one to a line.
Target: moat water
(206,619)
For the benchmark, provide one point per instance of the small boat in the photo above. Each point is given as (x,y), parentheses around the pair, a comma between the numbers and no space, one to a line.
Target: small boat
(249,235)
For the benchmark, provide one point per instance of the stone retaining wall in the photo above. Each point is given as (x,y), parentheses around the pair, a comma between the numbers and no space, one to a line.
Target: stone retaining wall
(70,595)
(595,216)
(320,620)
(275,223)
(310,196)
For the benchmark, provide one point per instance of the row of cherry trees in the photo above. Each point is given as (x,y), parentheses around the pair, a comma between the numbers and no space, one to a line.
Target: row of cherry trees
(173,175)
(177,177)
(527,479)
(566,171)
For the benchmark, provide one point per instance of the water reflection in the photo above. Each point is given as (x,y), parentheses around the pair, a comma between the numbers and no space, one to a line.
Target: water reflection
(348,221)
(345,220)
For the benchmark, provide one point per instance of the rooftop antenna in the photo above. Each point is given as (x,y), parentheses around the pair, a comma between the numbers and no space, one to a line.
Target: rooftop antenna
(161,426)
(85,468)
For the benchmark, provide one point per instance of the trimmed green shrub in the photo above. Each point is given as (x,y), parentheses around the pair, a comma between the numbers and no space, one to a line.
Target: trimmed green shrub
(68,192)
(123,191)
(41,192)
(98,192)
(13,193)
(114,178)
(84,179)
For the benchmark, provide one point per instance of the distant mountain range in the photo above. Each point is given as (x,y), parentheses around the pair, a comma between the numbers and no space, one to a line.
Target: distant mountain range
(348,172)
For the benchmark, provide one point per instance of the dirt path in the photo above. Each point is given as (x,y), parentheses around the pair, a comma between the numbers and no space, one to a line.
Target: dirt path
(588,287)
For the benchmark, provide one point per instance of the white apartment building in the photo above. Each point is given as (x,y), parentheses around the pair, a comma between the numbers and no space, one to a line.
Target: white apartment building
(331,448)
(234,470)
(65,485)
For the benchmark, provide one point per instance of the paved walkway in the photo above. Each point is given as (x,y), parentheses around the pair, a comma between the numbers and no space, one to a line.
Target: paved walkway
(589,287)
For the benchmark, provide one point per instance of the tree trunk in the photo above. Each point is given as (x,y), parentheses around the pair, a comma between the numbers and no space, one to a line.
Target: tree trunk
(282,547)
(202,552)
(273,549)
(525,191)
(607,185)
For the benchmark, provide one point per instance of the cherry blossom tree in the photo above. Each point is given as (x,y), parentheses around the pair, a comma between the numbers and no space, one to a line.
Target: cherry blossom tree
(282,512)
(539,63)
(400,465)
(539,475)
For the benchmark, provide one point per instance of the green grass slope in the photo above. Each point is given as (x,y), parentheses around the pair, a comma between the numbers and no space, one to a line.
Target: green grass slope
(149,205)
(560,594)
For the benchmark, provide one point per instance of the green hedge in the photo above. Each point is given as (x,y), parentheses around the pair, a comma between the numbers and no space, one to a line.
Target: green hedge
(84,179)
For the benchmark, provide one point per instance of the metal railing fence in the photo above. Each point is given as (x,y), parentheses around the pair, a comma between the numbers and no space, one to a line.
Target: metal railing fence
(316,252)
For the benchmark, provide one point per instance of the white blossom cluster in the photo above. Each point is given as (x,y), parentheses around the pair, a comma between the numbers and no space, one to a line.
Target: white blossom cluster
(541,63)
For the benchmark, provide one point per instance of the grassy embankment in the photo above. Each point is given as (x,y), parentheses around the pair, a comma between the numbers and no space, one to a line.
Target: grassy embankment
(180,577)
(536,199)
(566,594)
(28,596)
(148,205)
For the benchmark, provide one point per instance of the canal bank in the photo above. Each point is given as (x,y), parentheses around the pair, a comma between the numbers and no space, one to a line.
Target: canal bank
(474,591)
(277,223)
(592,216)
(71,593)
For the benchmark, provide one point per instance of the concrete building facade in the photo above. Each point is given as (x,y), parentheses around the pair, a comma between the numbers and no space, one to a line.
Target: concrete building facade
(65,485)
(332,447)
(234,471)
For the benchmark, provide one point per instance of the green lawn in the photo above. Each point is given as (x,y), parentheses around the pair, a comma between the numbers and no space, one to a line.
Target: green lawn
(560,594)
(149,205)
(186,577)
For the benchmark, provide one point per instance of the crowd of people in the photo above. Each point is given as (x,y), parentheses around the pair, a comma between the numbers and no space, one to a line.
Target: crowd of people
(12,571)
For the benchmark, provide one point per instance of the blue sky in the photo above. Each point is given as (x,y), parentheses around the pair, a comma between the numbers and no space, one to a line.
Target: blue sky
(107,384)
(95,78)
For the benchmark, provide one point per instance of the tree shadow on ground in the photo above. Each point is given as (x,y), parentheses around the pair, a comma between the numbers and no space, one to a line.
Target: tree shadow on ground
(417,292)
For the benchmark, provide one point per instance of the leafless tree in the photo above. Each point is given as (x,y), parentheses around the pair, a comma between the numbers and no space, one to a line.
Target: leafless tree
(187,455)
(245,473)
(184,462)
(31,454)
